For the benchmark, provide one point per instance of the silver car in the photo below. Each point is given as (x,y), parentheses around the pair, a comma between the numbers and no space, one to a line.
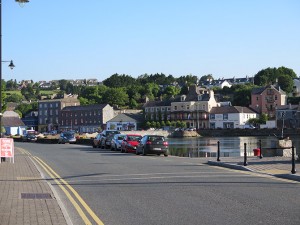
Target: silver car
(116,142)
(67,137)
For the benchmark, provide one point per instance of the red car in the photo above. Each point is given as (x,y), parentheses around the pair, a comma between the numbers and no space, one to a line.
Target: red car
(130,142)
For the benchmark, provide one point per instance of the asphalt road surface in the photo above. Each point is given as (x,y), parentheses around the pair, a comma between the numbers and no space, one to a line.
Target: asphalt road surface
(124,189)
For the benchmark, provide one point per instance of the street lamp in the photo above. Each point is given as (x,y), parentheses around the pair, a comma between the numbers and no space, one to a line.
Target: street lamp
(11,65)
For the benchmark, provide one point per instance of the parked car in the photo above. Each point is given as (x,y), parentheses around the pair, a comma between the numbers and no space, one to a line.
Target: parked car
(29,138)
(153,144)
(67,137)
(104,136)
(116,142)
(97,141)
(130,142)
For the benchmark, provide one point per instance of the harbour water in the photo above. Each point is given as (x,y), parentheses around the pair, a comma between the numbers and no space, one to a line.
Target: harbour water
(229,146)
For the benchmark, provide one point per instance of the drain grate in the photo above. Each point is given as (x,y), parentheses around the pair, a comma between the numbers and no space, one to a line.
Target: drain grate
(36,196)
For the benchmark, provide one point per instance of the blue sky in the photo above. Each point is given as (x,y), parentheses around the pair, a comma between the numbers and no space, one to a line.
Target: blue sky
(75,39)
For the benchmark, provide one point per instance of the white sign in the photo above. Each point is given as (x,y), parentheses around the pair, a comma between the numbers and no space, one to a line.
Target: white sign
(7,148)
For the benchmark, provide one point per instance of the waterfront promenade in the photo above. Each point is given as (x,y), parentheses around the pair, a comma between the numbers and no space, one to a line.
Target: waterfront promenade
(26,198)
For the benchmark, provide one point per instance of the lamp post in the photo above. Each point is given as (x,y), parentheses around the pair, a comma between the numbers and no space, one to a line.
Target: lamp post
(282,116)
(11,65)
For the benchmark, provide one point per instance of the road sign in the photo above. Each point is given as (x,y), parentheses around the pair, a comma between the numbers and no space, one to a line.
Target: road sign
(7,148)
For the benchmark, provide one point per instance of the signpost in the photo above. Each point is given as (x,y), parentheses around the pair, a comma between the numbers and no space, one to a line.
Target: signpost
(7,148)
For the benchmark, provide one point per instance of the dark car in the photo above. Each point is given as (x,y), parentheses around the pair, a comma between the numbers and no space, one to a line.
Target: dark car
(153,144)
(67,137)
(104,137)
(29,138)
(96,141)
(116,142)
(130,142)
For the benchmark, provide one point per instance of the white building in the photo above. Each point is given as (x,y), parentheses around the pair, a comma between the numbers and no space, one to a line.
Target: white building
(230,117)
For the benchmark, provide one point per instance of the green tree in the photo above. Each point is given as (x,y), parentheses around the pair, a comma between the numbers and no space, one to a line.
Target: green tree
(286,83)
(116,97)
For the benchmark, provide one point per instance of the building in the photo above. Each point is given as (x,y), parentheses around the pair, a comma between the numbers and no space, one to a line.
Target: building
(192,108)
(296,88)
(288,116)
(88,118)
(230,117)
(12,123)
(50,111)
(31,120)
(267,99)
(126,121)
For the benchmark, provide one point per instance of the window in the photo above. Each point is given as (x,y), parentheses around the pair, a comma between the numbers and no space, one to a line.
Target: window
(256,98)
(212,116)
(175,107)
(225,116)
(275,97)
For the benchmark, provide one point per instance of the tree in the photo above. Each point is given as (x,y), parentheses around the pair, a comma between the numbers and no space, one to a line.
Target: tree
(116,97)
(14,98)
(272,75)
(286,83)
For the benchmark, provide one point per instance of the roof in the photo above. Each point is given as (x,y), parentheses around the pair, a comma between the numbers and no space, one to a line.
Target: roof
(258,91)
(231,109)
(128,117)
(84,107)
(12,122)
(10,114)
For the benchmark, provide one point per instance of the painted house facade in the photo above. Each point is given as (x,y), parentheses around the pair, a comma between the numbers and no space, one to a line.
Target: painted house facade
(267,99)
(230,117)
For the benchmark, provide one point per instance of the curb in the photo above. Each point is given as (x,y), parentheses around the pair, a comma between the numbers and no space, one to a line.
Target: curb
(243,168)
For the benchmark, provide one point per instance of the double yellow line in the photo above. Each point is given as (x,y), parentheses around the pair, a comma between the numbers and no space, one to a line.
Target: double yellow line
(66,188)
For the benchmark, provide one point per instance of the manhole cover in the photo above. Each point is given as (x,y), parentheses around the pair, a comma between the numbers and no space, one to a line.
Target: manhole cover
(36,196)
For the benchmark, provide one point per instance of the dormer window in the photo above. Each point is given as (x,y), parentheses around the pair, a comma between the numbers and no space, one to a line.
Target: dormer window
(183,97)
(199,97)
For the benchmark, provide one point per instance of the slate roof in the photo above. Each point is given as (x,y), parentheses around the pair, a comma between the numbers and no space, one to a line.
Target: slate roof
(258,91)
(83,107)
(231,109)
(12,122)
(128,117)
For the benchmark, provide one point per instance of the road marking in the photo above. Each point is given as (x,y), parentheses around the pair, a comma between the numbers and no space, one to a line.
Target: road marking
(72,200)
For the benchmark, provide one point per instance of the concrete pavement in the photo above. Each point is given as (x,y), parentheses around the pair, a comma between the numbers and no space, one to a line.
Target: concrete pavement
(25,197)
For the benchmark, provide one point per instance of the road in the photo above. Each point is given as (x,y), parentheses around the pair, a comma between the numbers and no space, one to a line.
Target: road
(119,189)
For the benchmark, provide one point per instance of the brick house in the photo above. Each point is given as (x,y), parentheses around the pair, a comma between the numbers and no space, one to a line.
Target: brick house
(267,99)
(49,112)
(88,118)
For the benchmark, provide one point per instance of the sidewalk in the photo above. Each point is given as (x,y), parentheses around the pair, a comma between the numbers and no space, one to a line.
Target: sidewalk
(275,166)
(25,197)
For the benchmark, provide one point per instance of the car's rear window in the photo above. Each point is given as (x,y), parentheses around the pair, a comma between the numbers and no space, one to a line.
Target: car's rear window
(134,138)
(156,138)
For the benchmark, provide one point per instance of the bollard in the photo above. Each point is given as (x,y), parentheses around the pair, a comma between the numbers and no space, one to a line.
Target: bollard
(245,154)
(260,154)
(218,159)
(293,160)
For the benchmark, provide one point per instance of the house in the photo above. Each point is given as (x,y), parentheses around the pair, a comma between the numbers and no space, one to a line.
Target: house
(287,116)
(267,99)
(126,121)
(49,111)
(31,120)
(12,123)
(230,117)
(88,118)
(296,87)
(192,108)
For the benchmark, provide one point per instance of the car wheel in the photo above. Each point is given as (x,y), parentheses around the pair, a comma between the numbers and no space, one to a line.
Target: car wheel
(137,152)
(94,146)
(165,155)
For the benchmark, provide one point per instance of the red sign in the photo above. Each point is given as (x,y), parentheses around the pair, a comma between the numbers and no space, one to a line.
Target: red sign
(7,147)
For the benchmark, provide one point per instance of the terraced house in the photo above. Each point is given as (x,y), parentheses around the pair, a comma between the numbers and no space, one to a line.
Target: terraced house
(192,108)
